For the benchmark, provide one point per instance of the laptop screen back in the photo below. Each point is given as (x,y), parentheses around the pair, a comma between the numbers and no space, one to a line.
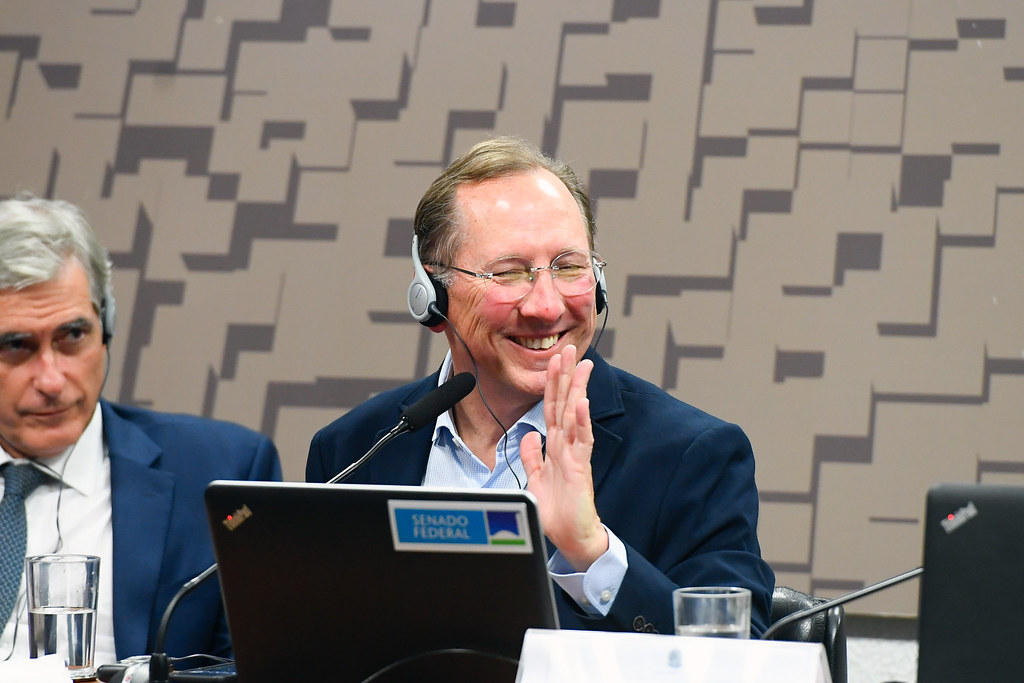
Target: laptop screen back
(971,618)
(339,582)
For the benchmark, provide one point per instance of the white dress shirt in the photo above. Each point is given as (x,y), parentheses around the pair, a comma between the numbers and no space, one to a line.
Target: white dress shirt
(70,514)
(452,464)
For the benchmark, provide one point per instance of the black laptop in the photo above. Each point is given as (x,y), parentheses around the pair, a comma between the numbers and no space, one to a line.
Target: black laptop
(971,616)
(383,583)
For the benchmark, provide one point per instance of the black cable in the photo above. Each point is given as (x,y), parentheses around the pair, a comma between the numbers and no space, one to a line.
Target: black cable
(22,600)
(59,476)
(490,656)
(476,373)
(601,332)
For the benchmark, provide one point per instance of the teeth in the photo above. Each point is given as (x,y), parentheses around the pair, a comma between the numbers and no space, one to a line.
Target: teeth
(534,343)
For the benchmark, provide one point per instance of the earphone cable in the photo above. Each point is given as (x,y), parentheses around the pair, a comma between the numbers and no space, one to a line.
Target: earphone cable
(22,602)
(604,323)
(59,476)
(476,374)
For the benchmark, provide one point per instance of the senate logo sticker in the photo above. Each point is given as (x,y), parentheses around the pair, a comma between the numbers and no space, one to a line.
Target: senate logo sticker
(454,526)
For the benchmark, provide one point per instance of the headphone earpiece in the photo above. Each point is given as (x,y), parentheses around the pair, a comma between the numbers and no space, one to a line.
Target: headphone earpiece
(108,314)
(601,293)
(427,298)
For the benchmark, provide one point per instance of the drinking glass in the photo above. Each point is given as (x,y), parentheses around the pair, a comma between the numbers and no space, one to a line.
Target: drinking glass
(712,611)
(62,591)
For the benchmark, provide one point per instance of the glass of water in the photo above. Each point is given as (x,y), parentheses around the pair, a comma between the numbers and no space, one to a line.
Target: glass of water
(62,591)
(712,611)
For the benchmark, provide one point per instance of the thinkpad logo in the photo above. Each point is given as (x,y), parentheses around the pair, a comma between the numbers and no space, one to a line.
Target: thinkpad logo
(955,520)
(233,521)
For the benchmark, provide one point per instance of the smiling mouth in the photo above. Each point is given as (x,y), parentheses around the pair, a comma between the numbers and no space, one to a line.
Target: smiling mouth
(537,343)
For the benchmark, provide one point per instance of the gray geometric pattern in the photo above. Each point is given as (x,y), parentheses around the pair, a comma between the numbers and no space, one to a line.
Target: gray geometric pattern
(811,210)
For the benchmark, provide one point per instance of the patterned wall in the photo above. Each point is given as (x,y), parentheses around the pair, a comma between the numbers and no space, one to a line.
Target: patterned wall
(812,213)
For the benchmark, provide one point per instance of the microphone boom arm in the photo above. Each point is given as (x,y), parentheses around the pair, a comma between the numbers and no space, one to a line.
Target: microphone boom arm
(829,604)
(401,428)
(419,414)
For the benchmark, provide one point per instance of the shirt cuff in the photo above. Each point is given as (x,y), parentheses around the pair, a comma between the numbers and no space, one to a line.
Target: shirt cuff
(595,589)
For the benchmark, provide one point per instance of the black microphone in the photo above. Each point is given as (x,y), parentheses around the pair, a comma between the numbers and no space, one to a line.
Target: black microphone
(441,399)
(419,414)
(829,604)
(156,668)
(159,663)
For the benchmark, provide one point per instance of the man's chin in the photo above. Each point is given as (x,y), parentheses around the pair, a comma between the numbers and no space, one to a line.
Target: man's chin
(50,445)
(529,385)
(46,452)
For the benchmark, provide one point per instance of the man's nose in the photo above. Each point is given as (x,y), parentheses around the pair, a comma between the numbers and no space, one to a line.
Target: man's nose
(543,300)
(49,378)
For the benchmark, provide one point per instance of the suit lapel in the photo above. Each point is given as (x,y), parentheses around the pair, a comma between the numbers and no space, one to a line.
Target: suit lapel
(141,498)
(605,404)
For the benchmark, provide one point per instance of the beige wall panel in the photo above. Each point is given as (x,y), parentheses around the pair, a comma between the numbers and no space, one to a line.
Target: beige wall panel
(812,223)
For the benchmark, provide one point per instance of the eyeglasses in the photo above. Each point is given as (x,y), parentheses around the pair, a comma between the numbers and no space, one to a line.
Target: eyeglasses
(573,272)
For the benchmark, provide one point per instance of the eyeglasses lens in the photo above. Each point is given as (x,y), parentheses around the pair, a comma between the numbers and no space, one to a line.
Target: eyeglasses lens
(571,272)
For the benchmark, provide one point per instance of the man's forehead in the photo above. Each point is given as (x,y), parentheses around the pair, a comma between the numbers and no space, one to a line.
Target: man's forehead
(64,300)
(540,179)
(525,196)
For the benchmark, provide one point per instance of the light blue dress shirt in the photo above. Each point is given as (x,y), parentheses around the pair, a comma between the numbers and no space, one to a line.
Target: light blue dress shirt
(452,465)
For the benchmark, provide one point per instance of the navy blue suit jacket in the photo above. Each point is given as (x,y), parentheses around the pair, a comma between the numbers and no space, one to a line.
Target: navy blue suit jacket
(160,465)
(675,484)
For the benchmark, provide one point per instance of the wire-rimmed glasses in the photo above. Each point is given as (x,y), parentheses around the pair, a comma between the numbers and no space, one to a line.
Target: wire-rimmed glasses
(573,273)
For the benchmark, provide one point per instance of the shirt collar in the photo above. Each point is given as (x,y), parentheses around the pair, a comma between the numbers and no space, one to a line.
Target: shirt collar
(444,420)
(79,464)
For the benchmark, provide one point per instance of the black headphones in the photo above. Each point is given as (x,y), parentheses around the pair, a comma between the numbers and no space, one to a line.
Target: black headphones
(428,298)
(108,314)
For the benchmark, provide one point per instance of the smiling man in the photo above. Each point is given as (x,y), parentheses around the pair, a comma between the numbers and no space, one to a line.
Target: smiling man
(119,482)
(639,493)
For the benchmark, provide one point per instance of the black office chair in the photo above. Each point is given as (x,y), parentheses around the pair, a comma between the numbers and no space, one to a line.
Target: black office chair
(827,628)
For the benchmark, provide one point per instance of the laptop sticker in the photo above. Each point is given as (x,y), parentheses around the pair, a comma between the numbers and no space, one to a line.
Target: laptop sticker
(459,527)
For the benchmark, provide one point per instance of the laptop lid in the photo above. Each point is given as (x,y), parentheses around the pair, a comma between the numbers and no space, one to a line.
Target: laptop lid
(341,582)
(971,617)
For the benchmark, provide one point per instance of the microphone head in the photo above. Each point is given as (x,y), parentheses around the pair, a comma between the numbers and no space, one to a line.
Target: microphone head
(441,399)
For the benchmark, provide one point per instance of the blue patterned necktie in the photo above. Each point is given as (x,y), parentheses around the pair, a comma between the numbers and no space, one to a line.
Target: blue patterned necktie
(19,481)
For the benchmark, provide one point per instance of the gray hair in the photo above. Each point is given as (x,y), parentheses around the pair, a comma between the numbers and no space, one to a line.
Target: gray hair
(436,223)
(38,236)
